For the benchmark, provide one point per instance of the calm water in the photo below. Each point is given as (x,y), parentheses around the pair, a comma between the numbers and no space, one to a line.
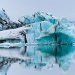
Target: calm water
(39,57)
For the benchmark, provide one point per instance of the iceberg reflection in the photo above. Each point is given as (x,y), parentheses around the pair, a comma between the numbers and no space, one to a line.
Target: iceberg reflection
(37,57)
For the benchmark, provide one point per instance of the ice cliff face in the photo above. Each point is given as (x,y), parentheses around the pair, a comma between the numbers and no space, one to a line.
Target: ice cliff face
(39,40)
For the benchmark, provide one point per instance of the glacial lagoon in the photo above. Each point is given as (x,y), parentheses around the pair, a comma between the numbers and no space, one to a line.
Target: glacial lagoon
(40,41)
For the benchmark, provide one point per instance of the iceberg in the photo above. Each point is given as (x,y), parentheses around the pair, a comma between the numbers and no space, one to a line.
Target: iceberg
(65,32)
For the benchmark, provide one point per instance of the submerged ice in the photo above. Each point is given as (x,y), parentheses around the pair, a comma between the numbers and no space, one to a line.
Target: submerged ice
(38,41)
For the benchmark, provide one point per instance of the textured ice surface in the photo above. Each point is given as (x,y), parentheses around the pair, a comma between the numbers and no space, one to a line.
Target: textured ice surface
(39,41)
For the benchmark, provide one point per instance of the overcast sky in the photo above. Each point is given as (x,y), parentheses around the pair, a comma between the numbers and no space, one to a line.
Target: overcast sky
(59,8)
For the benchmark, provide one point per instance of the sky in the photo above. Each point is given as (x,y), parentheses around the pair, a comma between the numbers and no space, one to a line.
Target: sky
(59,8)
